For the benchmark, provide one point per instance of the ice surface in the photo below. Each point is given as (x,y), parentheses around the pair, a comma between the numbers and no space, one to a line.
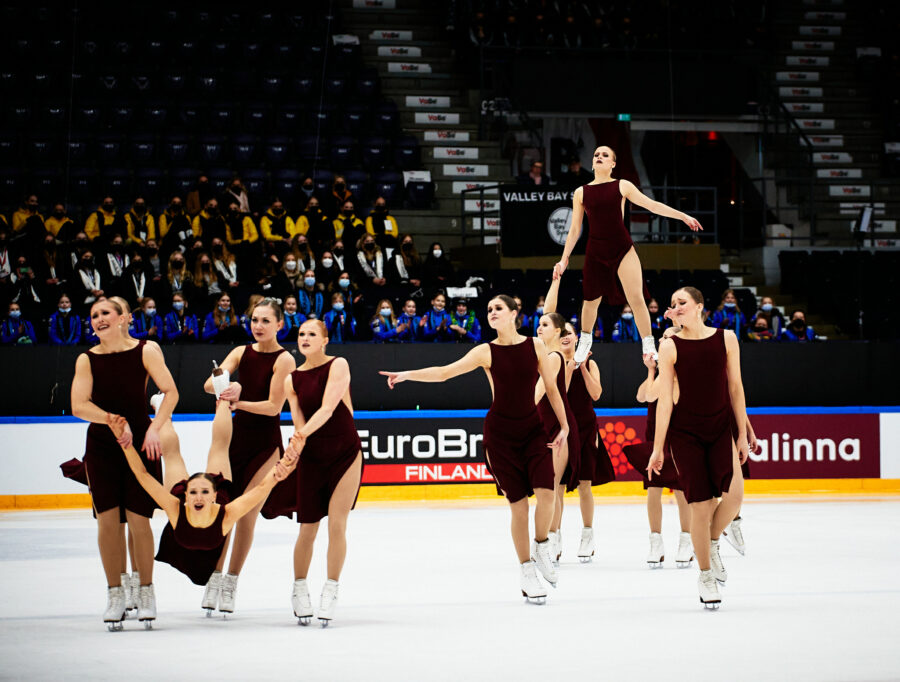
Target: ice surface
(431,593)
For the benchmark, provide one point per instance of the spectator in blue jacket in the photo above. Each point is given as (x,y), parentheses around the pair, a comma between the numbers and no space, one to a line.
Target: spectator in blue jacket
(625,329)
(384,323)
(797,331)
(64,328)
(532,322)
(408,329)
(179,325)
(339,322)
(310,299)
(729,316)
(658,321)
(464,324)
(293,318)
(222,325)
(435,324)
(16,330)
(146,322)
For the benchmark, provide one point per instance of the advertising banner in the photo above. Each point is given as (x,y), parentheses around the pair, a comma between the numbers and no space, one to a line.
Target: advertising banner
(536,220)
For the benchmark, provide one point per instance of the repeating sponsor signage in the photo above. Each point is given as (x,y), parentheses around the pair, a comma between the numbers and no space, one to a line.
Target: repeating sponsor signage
(428,101)
(385,34)
(437,118)
(409,67)
(456,152)
(446,135)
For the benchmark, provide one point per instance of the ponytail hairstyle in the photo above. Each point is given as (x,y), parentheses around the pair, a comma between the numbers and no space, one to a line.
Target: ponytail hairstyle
(695,294)
(508,301)
(320,326)
(269,303)
(556,320)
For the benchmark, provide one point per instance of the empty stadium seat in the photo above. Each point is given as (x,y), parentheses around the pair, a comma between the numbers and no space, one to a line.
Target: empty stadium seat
(277,150)
(375,152)
(388,184)
(358,184)
(245,149)
(149,183)
(344,152)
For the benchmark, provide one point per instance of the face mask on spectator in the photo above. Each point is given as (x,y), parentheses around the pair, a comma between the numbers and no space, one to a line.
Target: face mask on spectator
(140,208)
(108,207)
(327,262)
(178,305)
(760,329)
(539,310)
(386,312)
(730,306)
(175,208)
(291,265)
(59,214)
(338,306)
(224,309)
(345,283)
(213,210)
(380,208)
(437,253)
(278,211)
(627,316)
(15,314)
(178,264)
(407,246)
(204,266)
(799,325)
(767,307)
(339,186)
(339,251)
(369,246)
(150,312)
(64,309)
(308,190)
(309,281)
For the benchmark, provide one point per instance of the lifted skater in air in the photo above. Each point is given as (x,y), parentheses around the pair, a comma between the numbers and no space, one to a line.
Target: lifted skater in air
(611,266)
(516,446)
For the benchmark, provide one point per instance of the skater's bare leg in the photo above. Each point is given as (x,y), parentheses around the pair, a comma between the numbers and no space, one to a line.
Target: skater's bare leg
(139,527)
(174,470)
(338,511)
(111,541)
(220,564)
(731,501)
(543,512)
(519,529)
(701,515)
(128,542)
(654,509)
(586,502)
(684,511)
(217,462)
(632,278)
(246,525)
(303,549)
(589,315)
(558,508)
(560,460)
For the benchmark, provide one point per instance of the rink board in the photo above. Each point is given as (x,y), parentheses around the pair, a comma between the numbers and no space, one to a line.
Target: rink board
(438,455)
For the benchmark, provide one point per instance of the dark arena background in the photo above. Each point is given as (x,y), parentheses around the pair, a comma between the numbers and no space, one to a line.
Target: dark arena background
(195,157)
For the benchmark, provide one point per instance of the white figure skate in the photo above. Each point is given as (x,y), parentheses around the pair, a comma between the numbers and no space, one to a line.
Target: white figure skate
(685,553)
(709,590)
(301,602)
(328,603)
(585,340)
(130,597)
(586,548)
(220,379)
(156,400)
(715,562)
(657,552)
(115,608)
(226,596)
(540,555)
(146,606)
(734,536)
(648,347)
(211,593)
(532,589)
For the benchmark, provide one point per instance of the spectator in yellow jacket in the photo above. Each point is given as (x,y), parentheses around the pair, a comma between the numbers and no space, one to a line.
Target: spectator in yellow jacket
(382,225)
(209,223)
(347,226)
(105,222)
(60,225)
(277,228)
(240,228)
(175,229)
(27,215)
(141,225)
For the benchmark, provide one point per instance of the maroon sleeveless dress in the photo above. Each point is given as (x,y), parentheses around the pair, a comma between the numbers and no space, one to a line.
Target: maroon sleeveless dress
(551,426)
(120,387)
(608,242)
(255,436)
(194,551)
(700,435)
(595,465)
(638,455)
(515,441)
(329,451)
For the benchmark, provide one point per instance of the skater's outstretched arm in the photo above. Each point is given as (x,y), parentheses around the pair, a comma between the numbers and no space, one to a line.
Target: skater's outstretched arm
(590,371)
(168,502)
(479,356)
(284,365)
(335,390)
(666,382)
(574,233)
(635,196)
(736,391)
(556,402)
(551,300)
(155,364)
(247,502)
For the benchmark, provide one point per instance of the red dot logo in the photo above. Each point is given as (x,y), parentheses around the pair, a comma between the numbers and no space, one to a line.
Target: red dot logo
(616,436)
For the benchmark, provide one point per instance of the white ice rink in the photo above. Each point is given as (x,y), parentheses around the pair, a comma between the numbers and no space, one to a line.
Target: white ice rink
(431,593)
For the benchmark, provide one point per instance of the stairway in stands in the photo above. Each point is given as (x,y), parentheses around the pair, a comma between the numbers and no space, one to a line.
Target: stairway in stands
(816,79)
(405,40)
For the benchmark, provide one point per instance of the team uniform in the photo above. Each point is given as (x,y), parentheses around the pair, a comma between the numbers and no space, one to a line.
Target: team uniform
(594,463)
(608,242)
(552,427)
(514,437)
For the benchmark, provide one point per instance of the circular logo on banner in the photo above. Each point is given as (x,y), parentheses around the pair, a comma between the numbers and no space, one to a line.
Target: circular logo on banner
(558,224)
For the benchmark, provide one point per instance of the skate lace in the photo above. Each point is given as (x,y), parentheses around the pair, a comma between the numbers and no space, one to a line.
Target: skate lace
(116,600)
(227,588)
(737,534)
(146,598)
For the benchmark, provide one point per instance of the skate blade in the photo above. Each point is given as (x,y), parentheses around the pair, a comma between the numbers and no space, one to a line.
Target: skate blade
(324,622)
(711,605)
(209,612)
(303,620)
(148,624)
(683,564)
(537,601)
(738,548)
(653,565)
(114,626)
(585,559)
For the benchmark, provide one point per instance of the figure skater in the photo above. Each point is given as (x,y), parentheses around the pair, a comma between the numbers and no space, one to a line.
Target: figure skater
(515,443)
(612,269)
